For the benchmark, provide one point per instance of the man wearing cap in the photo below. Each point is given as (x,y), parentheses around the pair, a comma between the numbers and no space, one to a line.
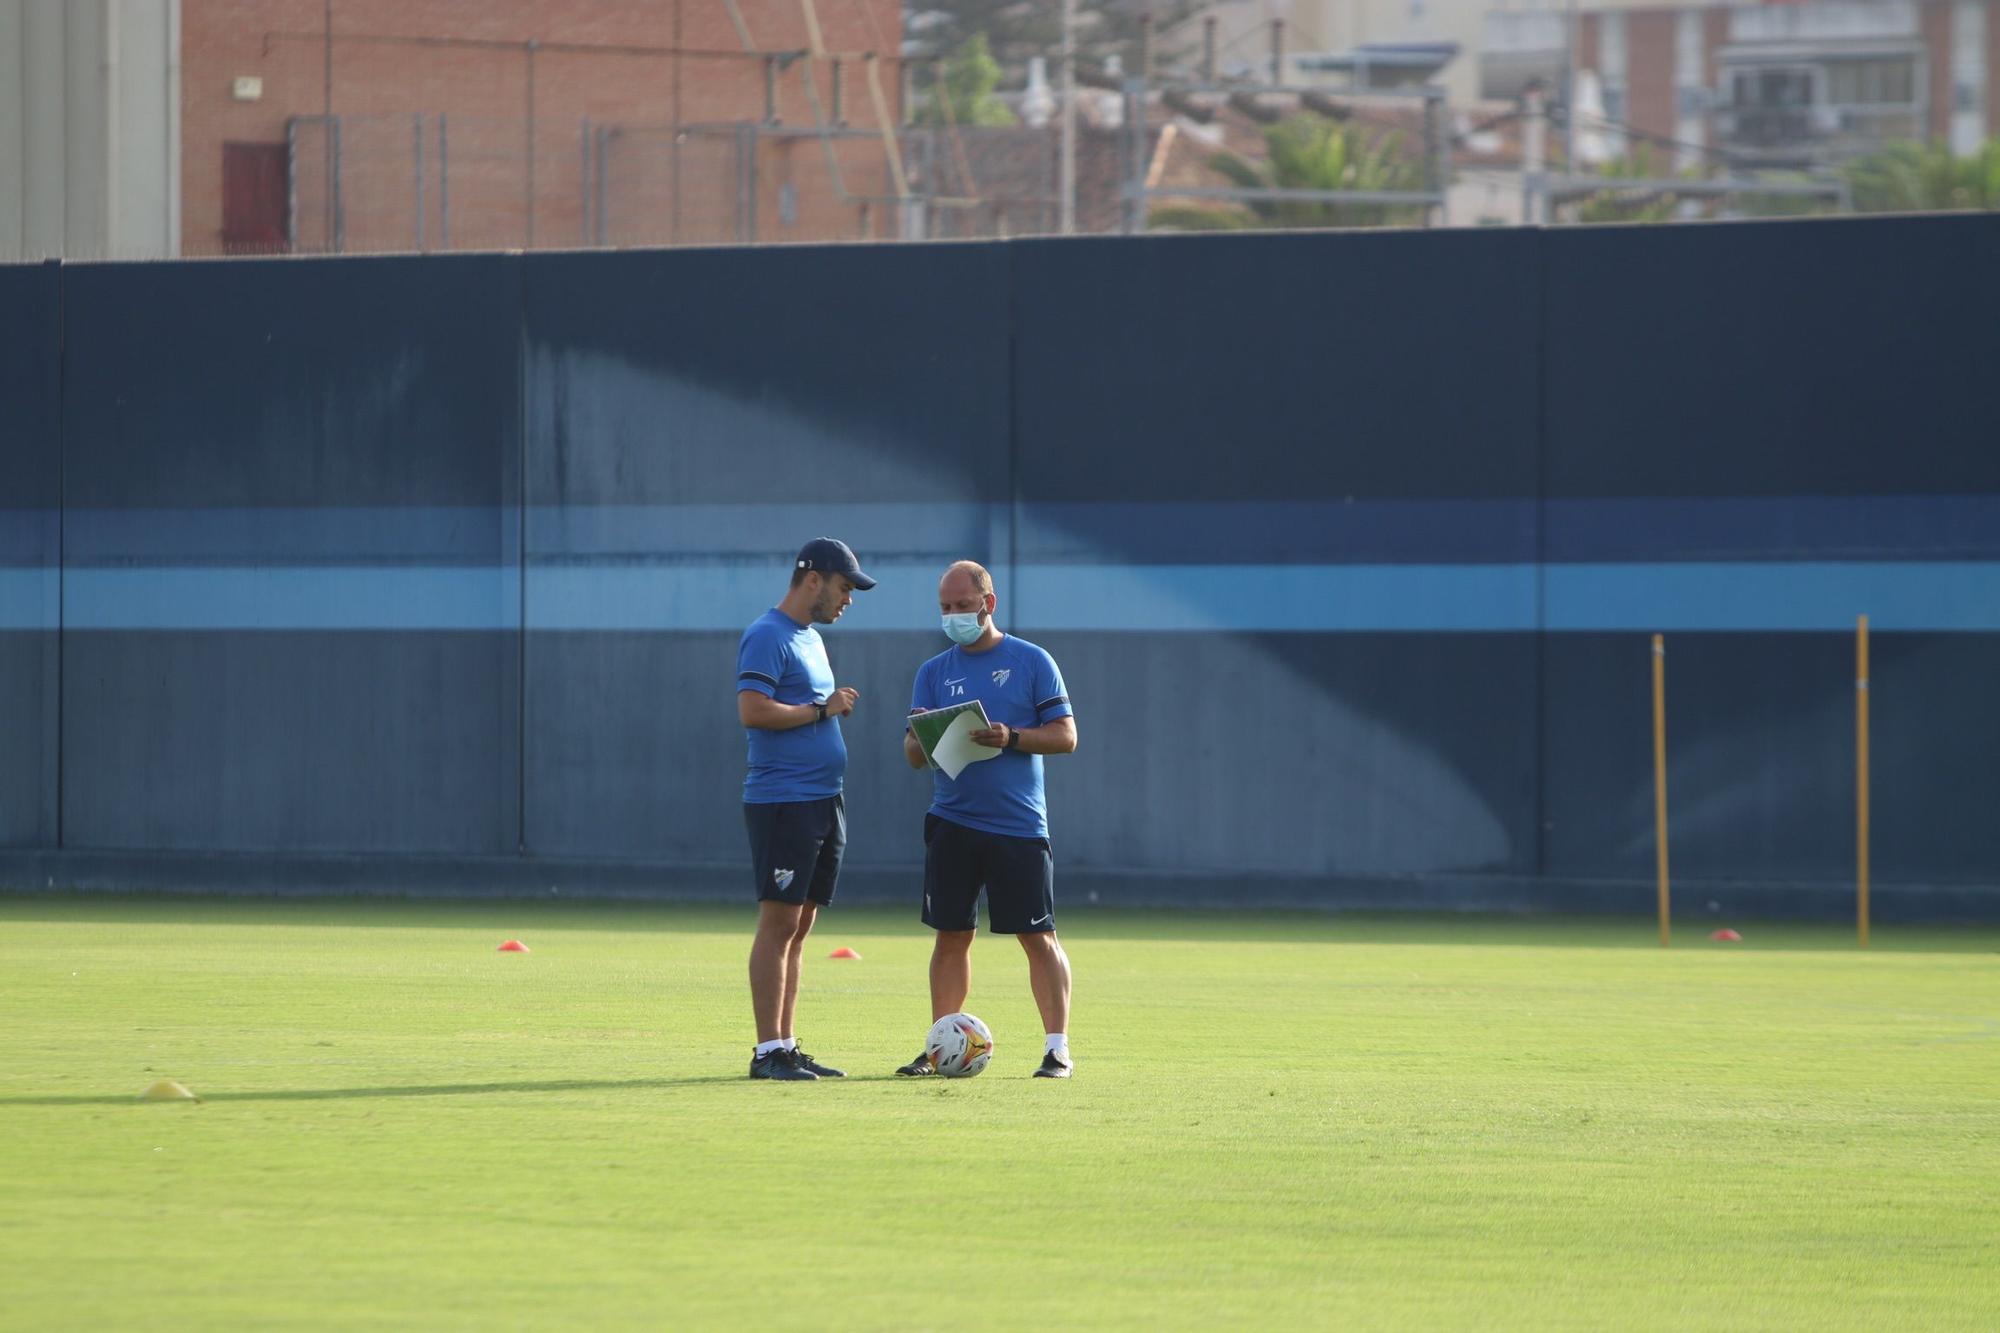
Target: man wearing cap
(988,828)
(791,711)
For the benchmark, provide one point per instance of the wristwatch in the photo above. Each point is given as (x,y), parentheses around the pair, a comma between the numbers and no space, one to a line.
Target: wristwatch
(1013,736)
(819,711)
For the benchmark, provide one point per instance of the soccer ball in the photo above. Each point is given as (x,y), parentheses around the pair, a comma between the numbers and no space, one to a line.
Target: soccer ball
(959,1045)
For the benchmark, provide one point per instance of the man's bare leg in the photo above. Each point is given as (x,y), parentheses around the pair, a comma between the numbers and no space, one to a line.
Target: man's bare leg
(951,972)
(771,956)
(1048,977)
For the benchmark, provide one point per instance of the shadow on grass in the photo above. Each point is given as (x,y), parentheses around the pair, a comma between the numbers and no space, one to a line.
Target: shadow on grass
(526,918)
(408,1090)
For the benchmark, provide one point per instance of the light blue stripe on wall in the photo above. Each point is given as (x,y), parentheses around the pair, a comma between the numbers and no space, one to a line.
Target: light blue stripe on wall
(1274,597)
(291,598)
(726,595)
(710,596)
(1805,596)
(29,597)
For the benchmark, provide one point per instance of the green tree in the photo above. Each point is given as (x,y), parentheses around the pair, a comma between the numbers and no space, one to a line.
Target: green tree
(1613,204)
(1310,152)
(970,76)
(1912,178)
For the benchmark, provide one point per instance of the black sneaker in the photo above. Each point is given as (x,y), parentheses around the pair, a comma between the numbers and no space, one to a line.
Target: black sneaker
(1053,1066)
(780,1064)
(919,1067)
(814,1067)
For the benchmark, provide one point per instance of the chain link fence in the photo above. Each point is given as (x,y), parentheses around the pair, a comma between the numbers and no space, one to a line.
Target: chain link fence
(422,181)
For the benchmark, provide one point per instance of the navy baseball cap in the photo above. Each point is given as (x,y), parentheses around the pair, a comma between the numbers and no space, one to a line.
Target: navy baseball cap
(828,556)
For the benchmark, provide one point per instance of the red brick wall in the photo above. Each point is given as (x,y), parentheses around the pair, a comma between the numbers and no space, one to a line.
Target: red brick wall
(1649,73)
(381,80)
(1714,36)
(1935,21)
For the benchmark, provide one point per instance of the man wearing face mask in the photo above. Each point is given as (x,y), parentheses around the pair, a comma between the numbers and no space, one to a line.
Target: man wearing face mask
(791,711)
(989,828)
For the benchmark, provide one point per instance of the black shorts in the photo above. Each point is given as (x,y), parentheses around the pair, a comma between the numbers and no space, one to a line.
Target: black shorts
(1018,874)
(795,848)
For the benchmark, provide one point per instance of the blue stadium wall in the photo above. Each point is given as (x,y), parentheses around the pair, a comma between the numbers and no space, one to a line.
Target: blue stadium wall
(426,574)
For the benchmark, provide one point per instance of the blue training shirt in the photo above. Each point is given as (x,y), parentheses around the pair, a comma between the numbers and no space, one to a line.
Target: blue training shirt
(784,660)
(1018,683)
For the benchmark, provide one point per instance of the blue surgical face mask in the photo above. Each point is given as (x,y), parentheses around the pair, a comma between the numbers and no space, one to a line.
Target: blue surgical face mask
(963,628)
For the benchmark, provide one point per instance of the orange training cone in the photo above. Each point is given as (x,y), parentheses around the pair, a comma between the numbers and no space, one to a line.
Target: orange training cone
(512,946)
(1726,935)
(844,952)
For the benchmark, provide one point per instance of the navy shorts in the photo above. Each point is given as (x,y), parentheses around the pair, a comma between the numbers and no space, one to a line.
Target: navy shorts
(795,848)
(1018,874)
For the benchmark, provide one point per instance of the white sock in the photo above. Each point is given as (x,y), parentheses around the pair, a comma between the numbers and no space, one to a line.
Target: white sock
(766,1047)
(789,1043)
(1058,1043)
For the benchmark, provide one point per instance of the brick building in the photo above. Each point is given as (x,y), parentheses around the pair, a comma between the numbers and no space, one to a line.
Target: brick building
(1768,85)
(424,124)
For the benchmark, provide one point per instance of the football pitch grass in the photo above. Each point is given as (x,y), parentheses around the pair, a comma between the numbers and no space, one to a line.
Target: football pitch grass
(1276,1121)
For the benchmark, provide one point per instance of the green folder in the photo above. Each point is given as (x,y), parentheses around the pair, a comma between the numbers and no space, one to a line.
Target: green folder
(945,735)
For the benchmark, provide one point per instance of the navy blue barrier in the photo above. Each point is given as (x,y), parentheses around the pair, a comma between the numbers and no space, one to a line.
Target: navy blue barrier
(291,598)
(1789,437)
(1349,547)
(30,552)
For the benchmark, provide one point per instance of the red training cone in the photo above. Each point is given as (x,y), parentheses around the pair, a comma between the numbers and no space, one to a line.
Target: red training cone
(512,946)
(1726,935)
(844,952)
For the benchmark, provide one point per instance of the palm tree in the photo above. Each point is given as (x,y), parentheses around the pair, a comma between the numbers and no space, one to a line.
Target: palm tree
(1311,152)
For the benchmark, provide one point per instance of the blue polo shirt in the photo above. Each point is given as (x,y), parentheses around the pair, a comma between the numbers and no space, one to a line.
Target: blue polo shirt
(1016,682)
(784,660)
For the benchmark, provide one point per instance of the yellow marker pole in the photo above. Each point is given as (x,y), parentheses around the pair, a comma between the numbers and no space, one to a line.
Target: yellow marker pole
(1861,779)
(1660,777)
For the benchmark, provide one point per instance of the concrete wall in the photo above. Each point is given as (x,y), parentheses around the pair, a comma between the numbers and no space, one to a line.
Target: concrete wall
(1349,547)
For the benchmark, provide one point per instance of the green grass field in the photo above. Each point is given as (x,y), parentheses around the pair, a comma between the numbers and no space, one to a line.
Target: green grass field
(1276,1121)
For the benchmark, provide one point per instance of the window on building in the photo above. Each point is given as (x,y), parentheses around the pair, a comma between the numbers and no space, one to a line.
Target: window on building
(1871,83)
(1772,88)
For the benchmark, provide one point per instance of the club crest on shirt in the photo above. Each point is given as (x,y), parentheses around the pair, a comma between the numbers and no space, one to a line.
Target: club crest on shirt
(1000,676)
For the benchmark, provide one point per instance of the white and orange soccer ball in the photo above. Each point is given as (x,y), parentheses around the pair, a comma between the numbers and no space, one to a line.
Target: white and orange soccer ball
(959,1045)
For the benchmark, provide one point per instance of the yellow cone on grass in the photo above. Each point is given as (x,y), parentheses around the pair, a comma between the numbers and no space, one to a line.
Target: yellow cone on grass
(166,1090)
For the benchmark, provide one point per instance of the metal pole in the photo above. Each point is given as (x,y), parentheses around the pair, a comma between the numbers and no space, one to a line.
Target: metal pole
(1135,157)
(1066,189)
(417,170)
(339,211)
(1208,49)
(532,45)
(1569,92)
(326,112)
(444,189)
(746,183)
(1533,152)
(603,141)
(583,179)
(1437,149)
(1277,53)
(292,186)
